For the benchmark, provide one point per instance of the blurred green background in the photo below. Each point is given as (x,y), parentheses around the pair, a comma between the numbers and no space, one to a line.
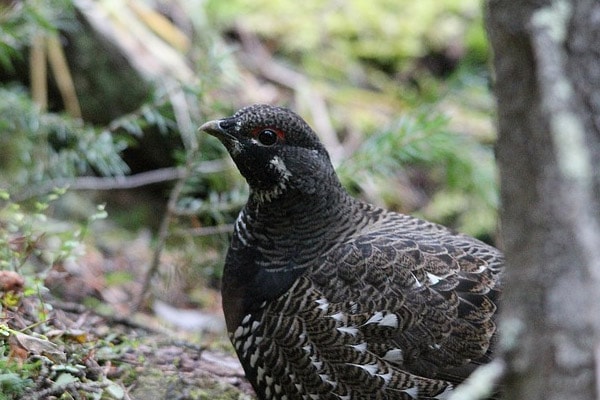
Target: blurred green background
(102,99)
(110,198)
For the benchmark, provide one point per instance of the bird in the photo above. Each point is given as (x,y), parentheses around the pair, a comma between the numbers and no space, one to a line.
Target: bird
(329,297)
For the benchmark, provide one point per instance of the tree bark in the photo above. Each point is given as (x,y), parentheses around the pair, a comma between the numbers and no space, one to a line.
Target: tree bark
(547,69)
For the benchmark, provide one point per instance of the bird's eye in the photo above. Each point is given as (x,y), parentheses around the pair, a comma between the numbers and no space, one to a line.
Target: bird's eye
(267,137)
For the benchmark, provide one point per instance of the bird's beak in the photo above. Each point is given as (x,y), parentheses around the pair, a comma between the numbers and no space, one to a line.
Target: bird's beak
(215,129)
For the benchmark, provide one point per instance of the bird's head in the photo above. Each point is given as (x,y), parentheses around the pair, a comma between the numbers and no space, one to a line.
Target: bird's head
(274,149)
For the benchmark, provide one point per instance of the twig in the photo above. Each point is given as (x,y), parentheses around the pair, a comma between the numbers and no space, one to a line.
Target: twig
(160,243)
(121,182)
(182,117)
(38,72)
(110,318)
(64,80)
(126,182)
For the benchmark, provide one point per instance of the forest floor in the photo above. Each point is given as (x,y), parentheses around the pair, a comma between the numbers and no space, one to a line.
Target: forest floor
(78,338)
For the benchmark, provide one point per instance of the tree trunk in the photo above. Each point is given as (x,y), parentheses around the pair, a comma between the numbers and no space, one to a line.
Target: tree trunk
(547,66)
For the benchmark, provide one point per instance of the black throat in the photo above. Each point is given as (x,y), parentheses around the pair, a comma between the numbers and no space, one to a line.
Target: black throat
(277,241)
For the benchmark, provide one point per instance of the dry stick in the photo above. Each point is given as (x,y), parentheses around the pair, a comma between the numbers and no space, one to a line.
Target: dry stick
(64,80)
(184,122)
(110,317)
(128,182)
(160,243)
(102,183)
(37,62)
(121,182)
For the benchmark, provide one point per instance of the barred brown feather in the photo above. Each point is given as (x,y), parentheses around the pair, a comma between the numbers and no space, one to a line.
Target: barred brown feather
(326,297)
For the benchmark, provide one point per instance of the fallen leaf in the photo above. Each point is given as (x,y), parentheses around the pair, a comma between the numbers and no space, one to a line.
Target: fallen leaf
(10,281)
(39,346)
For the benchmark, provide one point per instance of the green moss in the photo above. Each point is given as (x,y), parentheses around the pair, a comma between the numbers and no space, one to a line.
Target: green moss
(331,38)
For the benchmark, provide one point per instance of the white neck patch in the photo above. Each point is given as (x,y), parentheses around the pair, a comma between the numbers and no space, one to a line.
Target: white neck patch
(270,194)
(279,165)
